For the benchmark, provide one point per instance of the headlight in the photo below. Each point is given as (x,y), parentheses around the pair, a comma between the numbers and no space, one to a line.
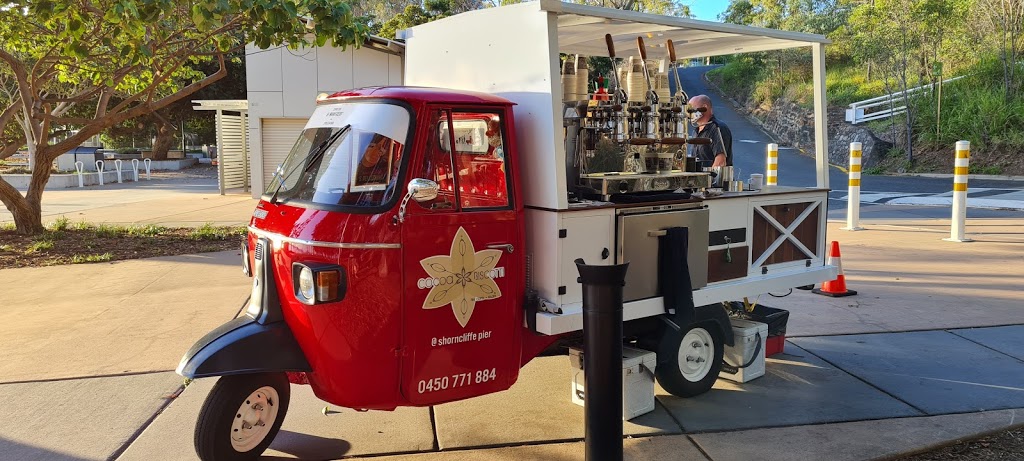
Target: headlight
(317,283)
(306,283)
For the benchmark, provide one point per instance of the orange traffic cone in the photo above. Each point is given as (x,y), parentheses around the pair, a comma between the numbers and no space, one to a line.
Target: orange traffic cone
(836,288)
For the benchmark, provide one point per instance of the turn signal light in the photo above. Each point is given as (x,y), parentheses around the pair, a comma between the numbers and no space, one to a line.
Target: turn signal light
(317,283)
(327,284)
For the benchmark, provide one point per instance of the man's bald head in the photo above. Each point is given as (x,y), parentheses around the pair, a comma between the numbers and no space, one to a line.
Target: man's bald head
(700,101)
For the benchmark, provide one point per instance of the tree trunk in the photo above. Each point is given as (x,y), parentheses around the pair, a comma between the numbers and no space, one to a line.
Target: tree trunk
(164,139)
(28,220)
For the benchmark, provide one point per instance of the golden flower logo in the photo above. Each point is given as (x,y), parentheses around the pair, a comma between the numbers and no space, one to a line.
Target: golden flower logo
(461,278)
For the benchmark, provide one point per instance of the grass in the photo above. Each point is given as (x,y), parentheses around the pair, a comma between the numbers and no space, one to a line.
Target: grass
(984,169)
(80,259)
(210,232)
(7,226)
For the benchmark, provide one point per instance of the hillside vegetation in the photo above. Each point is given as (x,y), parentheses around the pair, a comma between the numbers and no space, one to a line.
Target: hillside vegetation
(887,46)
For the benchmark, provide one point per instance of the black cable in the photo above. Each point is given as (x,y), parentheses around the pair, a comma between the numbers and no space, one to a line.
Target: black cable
(781,296)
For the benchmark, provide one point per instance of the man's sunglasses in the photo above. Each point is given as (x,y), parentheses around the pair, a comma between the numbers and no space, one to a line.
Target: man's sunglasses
(692,110)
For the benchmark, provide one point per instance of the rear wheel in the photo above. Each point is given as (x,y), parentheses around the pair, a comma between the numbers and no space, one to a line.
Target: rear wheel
(241,416)
(689,360)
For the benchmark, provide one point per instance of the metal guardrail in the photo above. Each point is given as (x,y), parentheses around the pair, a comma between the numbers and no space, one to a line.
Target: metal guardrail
(883,106)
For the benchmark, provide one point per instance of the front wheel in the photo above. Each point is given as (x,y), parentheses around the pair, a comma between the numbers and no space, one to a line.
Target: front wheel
(689,360)
(241,416)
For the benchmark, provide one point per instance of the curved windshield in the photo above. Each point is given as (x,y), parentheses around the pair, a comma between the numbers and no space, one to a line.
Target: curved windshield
(348,155)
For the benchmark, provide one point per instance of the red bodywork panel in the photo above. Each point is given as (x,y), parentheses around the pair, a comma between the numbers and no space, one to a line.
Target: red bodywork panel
(404,335)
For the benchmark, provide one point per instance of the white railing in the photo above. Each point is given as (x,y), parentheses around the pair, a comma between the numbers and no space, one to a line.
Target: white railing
(885,106)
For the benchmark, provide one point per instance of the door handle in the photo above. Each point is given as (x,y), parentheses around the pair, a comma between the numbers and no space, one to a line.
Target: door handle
(502,246)
(657,233)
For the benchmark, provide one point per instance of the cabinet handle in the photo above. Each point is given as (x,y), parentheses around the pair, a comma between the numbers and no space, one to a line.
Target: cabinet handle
(657,233)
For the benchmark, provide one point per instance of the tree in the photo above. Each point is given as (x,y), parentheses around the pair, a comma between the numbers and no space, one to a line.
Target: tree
(163,126)
(126,59)
(431,10)
(1006,17)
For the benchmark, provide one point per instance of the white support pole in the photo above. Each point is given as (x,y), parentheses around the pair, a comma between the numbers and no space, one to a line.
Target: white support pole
(820,114)
(99,170)
(135,169)
(80,168)
(853,196)
(771,177)
(960,167)
(117,166)
(220,155)
(147,162)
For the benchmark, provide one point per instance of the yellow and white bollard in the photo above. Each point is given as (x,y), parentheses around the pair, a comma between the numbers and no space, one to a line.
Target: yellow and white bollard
(853,196)
(771,177)
(962,162)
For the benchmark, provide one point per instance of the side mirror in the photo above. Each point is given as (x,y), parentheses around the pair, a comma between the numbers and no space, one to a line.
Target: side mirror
(423,190)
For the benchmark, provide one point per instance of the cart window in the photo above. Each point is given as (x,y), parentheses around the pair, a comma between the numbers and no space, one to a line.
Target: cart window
(348,155)
(437,165)
(480,160)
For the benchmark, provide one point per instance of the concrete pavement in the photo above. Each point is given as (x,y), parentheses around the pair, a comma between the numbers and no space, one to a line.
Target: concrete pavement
(927,353)
(178,199)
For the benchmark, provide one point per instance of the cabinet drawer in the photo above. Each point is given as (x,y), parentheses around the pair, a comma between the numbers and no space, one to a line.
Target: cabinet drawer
(719,269)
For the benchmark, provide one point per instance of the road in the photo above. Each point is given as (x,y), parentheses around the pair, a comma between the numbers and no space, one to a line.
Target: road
(795,169)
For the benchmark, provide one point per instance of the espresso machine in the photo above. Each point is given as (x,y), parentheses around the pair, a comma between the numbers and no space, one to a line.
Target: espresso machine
(650,134)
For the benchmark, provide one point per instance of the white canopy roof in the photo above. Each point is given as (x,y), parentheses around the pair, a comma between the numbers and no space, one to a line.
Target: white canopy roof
(581,30)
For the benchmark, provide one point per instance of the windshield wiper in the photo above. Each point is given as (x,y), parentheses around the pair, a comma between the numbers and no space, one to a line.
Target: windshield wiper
(314,155)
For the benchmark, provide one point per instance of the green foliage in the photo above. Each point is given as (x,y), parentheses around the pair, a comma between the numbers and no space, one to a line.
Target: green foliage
(107,231)
(94,258)
(974,108)
(60,224)
(985,169)
(38,246)
(75,69)
(209,231)
(739,76)
(149,230)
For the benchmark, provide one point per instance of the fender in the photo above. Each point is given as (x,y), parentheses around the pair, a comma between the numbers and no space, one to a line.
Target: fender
(244,345)
(716,313)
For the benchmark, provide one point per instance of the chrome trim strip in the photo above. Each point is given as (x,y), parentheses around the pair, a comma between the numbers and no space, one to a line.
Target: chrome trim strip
(278,239)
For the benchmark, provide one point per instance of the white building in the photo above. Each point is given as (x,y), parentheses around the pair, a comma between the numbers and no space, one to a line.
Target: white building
(282,85)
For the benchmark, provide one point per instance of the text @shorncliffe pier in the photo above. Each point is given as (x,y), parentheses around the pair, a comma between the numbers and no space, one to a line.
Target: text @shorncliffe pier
(463,338)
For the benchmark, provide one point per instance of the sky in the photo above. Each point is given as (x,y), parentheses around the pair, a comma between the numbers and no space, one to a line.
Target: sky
(707,9)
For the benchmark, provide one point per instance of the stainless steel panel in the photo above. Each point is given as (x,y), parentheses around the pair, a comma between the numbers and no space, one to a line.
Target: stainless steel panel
(620,183)
(638,233)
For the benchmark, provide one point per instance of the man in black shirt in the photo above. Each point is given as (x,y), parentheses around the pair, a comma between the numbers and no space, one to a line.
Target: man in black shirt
(701,115)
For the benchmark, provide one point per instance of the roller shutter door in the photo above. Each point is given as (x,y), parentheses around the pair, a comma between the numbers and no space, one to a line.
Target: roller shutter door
(279,135)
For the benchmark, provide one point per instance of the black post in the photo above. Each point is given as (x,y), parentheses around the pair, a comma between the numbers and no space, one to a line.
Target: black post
(602,359)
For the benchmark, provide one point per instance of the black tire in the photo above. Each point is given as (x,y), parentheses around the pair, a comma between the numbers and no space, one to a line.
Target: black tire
(214,432)
(671,377)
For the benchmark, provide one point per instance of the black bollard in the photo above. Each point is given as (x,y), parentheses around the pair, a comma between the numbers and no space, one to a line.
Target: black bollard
(602,359)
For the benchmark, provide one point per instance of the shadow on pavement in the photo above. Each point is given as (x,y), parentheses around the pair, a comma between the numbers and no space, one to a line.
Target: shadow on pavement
(306,446)
(23,452)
